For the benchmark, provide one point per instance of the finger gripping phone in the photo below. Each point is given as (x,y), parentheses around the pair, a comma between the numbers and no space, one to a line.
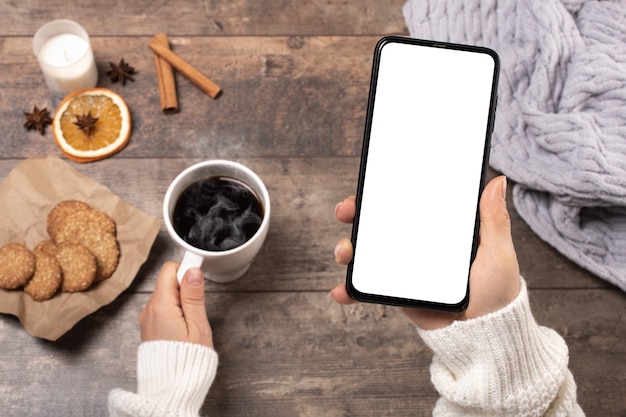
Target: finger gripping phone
(425,153)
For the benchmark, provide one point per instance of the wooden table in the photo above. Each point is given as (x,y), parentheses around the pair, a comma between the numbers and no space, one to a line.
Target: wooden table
(295,80)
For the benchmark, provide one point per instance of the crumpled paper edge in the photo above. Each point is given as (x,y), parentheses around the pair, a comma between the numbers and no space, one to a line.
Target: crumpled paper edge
(28,192)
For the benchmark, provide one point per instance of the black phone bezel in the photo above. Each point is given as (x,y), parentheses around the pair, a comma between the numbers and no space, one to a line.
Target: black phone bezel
(407,302)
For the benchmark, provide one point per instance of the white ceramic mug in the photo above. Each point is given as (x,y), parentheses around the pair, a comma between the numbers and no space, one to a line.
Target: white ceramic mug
(218,266)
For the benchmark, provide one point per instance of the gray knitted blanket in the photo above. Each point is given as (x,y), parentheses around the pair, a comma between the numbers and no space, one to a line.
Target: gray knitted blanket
(560,129)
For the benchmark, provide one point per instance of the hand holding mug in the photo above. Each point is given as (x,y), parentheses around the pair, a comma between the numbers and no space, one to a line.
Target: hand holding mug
(177,313)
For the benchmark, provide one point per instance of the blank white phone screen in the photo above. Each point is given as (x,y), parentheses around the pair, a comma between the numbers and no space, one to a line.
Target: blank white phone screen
(422,178)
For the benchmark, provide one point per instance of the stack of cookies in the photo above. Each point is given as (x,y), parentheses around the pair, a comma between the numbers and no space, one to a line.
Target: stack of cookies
(81,251)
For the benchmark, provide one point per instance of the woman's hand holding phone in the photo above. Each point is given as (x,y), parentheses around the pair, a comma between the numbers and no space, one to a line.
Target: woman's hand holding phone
(494,275)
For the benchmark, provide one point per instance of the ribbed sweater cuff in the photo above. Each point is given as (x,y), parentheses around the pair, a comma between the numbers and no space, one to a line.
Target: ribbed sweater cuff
(177,375)
(173,379)
(503,361)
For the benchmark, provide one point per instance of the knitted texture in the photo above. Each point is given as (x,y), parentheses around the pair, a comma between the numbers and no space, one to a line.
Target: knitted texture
(560,130)
(501,364)
(173,379)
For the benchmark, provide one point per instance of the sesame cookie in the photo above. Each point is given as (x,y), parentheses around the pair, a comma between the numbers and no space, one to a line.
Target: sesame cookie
(47,277)
(78,265)
(46,246)
(71,217)
(17,265)
(81,223)
(62,209)
(104,248)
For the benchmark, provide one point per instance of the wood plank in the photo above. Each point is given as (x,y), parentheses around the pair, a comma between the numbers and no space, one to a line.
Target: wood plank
(593,323)
(295,77)
(279,354)
(280,97)
(296,354)
(297,254)
(208,17)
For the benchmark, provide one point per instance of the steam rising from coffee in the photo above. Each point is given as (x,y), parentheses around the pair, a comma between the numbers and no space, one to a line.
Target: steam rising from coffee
(217,214)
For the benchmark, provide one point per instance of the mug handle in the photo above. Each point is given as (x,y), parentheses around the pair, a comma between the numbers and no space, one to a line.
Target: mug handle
(190,260)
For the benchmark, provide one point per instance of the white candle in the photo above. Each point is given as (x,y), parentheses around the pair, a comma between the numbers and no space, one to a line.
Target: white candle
(65,57)
(63,50)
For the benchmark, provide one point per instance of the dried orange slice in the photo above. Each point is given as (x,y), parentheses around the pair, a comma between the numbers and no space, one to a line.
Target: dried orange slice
(110,133)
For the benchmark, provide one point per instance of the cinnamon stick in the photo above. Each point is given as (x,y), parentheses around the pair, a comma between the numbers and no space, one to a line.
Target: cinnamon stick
(195,76)
(165,78)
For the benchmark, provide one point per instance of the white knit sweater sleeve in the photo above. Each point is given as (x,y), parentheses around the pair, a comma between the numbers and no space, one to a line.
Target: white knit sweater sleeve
(501,364)
(173,379)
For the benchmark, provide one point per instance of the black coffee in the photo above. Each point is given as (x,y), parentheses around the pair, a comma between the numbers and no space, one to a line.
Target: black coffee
(217,214)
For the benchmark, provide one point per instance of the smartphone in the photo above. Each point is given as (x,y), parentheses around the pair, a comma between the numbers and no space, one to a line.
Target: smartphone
(425,154)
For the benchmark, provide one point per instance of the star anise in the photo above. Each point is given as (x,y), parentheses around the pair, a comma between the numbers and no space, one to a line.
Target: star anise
(87,123)
(121,72)
(38,119)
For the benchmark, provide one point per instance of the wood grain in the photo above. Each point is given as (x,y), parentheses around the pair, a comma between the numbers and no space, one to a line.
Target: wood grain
(279,98)
(294,353)
(209,17)
(295,78)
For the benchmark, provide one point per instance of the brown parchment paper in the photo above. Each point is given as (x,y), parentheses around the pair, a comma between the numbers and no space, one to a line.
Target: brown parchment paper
(27,195)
